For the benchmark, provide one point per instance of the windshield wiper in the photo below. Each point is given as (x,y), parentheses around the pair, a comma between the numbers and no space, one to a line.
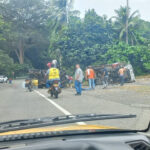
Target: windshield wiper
(50,121)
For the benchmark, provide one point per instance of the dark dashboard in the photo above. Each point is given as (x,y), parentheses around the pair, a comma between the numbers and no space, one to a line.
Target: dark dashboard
(119,141)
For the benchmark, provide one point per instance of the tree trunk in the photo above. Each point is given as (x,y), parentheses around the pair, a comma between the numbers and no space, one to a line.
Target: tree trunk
(132,42)
(21,57)
(20,52)
(127,23)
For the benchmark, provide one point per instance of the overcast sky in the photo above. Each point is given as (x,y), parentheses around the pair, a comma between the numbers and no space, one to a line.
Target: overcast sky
(108,6)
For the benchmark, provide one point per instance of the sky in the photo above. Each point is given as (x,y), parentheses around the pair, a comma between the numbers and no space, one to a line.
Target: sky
(107,7)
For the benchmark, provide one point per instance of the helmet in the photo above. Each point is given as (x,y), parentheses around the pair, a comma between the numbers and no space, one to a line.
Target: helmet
(49,65)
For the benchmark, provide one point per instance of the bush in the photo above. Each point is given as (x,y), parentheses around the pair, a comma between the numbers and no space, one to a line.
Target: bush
(21,69)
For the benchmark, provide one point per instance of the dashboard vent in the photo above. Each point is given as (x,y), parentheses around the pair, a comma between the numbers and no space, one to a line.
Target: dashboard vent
(140,145)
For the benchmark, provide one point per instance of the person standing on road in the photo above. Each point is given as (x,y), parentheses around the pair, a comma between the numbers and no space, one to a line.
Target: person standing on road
(121,75)
(78,80)
(90,75)
(70,80)
(105,77)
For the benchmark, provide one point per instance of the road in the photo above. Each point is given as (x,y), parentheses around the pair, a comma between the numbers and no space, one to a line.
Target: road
(17,103)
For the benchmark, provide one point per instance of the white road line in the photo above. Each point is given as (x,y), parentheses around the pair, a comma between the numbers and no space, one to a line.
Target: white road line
(64,111)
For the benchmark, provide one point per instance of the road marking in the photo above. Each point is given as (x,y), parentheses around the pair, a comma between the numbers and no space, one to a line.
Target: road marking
(64,111)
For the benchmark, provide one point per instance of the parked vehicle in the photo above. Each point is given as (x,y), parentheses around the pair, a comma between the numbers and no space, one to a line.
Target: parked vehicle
(3,79)
(39,76)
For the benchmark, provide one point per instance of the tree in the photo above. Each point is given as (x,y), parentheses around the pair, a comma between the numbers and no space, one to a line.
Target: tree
(126,24)
(6,63)
(3,28)
(26,18)
(60,11)
(33,32)
(83,41)
(138,56)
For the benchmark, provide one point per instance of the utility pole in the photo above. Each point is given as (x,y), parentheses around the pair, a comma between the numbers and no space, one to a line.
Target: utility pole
(127,23)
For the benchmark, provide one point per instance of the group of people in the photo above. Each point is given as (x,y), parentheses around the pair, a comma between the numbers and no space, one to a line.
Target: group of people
(54,74)
(90,76)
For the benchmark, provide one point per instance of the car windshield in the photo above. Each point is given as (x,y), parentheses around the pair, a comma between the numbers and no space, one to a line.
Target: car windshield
(70,57)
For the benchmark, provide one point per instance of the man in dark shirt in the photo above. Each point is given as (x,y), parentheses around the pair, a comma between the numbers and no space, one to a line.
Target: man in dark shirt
(105,77)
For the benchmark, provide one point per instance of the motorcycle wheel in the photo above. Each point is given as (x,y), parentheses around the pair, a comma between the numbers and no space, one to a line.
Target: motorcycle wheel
(56,95)
(30,89)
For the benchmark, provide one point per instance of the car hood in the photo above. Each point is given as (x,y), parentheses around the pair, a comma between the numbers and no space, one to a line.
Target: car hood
(57,129)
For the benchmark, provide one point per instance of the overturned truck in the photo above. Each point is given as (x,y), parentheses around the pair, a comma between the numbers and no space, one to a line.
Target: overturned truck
(113,73)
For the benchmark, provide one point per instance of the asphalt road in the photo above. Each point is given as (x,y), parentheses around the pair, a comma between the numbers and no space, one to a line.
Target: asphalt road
(17,103)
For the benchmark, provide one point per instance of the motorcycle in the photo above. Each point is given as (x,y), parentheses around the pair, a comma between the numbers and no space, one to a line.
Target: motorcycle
(28,85)
(55,89)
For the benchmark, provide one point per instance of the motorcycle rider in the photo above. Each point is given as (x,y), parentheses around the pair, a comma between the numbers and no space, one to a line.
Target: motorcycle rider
(53,75)
(28,84)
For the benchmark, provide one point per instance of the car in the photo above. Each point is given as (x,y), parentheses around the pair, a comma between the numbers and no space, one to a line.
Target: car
(3,79)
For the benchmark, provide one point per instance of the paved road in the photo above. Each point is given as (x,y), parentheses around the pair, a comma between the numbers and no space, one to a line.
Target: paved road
(17,103)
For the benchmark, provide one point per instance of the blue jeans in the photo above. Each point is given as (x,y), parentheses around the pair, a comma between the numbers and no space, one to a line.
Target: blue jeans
(91,84)
(78,86)
(50,82)
(105,81)
(121,80)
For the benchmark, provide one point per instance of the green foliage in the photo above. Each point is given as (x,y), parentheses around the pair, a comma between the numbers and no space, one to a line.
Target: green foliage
(33,32)
(28,19)
(20,69)
(84,42)
(4,27)
(6,63)
(138,56)
(7,66)
(120,24)
(1,28)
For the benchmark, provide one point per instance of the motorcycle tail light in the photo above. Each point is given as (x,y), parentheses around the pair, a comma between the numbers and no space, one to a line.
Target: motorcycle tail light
(55,85)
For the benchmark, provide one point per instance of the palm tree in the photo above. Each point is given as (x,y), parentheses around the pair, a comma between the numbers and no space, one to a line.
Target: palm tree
(126,23)
(60,12)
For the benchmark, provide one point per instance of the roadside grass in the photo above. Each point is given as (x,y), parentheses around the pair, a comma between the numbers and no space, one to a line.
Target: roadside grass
(143,76)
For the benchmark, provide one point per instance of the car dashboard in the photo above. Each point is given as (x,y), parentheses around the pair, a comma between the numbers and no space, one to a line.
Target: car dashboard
(121,141)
